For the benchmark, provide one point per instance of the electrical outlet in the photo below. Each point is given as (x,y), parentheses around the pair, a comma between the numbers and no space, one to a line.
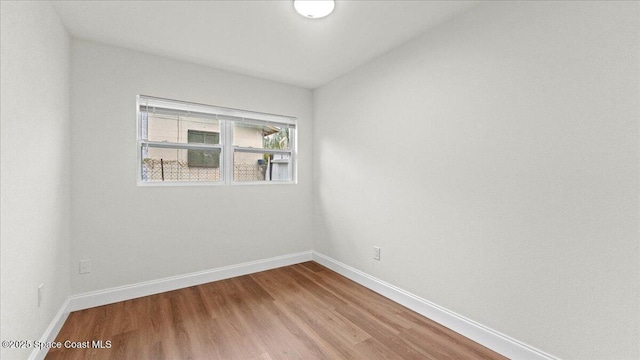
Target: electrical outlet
(85,266)
(40,293)
(376,253)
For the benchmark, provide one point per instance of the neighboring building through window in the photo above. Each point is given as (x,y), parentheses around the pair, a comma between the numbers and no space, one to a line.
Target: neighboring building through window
(203,158)
(180,142)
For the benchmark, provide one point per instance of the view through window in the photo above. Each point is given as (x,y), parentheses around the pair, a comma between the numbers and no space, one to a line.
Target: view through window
(181,142)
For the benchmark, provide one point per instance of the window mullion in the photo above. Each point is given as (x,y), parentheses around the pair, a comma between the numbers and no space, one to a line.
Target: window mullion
(292,146)
(228,145)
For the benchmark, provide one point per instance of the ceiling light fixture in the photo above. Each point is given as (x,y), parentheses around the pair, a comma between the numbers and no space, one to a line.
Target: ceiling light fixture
(314,9)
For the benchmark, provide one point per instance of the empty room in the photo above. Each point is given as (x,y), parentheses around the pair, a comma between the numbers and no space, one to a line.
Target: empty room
(332,179)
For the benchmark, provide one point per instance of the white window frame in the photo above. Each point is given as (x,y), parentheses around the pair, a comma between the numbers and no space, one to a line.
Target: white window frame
(226,117)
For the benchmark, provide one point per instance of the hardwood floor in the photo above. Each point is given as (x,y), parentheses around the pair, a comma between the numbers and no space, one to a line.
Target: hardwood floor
(303,311)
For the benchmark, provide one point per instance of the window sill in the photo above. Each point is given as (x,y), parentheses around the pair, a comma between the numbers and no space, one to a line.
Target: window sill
(217,183)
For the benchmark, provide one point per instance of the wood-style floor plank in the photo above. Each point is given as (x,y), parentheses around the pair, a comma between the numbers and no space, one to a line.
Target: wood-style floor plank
(303,311)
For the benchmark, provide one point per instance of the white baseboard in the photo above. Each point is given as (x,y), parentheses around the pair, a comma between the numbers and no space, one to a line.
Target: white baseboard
(52,331)
(481,334)
(128,292)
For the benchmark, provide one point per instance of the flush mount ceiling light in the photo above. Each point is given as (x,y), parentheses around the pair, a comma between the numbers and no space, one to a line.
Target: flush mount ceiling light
(314,9)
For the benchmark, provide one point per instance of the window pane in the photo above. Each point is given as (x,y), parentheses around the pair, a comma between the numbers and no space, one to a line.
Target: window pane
(203,158)
(173,165)
(261,136)
(261,167)
(178,129)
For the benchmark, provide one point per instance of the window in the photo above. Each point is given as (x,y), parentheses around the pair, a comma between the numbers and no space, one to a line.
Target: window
(203,158)
(187,143)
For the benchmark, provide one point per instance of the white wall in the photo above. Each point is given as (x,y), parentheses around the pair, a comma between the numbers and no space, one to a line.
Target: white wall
(133,234)
(495,161)
(34,94)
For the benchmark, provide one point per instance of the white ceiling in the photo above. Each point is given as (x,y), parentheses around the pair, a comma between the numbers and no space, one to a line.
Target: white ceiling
(266,39)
